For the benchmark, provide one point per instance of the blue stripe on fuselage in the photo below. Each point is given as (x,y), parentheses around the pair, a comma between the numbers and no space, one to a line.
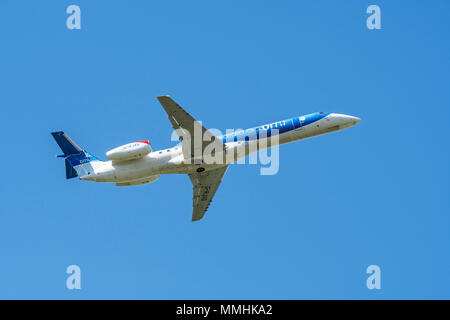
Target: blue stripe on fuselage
(283,126)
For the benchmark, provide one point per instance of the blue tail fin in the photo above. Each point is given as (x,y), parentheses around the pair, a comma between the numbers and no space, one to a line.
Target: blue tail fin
(77,160)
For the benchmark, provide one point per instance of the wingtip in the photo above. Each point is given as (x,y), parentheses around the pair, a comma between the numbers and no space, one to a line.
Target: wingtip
(197,218)
(163,96)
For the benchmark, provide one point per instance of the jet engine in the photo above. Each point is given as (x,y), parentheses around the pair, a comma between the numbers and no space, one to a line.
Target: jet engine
(134,150)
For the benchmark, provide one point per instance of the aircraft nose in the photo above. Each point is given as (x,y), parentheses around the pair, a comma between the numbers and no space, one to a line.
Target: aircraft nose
(345,120)
(354,120)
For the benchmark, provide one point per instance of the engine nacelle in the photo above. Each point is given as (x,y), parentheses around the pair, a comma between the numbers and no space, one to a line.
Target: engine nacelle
(134,150)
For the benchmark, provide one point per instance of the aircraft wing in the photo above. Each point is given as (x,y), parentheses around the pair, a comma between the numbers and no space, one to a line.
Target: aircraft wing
(184,123)
(205,185)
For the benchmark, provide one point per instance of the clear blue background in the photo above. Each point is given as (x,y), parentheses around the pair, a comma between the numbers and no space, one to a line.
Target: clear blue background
(377,193)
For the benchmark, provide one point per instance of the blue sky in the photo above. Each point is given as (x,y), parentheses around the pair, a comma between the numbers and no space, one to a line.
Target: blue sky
(376,193)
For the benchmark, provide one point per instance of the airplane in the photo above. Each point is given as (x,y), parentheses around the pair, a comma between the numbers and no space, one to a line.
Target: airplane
(136,163)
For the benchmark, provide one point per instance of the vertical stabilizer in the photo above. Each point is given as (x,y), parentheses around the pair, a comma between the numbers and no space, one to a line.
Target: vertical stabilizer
(78,162)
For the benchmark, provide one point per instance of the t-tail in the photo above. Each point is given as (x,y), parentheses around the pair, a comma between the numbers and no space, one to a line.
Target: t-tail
(78,162)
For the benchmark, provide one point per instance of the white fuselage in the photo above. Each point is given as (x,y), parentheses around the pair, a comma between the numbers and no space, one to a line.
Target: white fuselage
(171,161)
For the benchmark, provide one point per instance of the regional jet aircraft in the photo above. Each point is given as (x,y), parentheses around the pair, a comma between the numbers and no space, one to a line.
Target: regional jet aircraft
(205,160)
